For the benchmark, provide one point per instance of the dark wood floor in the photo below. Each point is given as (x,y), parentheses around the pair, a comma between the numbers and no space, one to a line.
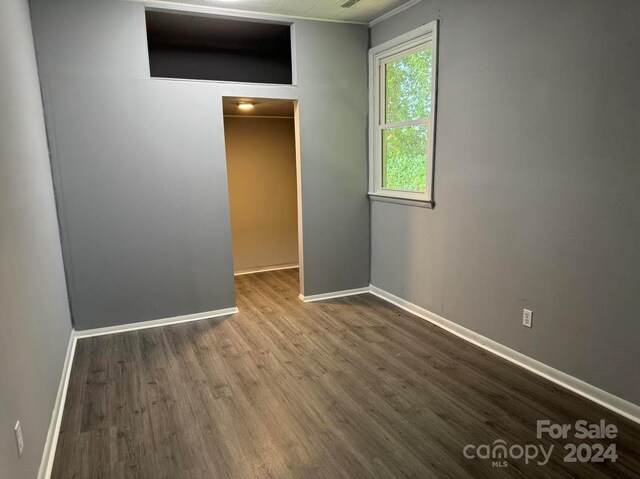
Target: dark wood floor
(346,388)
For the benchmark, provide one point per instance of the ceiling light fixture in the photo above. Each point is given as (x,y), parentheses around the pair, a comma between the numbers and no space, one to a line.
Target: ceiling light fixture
(245,106)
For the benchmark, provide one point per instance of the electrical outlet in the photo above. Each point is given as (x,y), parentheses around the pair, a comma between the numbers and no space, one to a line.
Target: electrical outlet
(527,318)
(19,441)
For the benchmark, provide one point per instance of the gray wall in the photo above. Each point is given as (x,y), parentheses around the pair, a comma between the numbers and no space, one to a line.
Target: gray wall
(35,313)
(139,164)
(537,183)
(332,77)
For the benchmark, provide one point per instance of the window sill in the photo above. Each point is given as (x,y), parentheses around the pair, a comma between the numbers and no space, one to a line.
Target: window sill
(402,201)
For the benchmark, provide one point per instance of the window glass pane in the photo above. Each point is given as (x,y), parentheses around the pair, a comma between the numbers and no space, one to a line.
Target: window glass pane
(404,158)
(408,87)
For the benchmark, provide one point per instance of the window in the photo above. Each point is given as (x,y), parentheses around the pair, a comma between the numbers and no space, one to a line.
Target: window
(402,116)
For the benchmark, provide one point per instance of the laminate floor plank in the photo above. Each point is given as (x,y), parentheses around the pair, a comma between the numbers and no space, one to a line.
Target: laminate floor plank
(345,388)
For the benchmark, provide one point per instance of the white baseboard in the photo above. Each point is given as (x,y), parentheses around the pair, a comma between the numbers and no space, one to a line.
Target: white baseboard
(614,403)
(155,323)
(267,268)
(334,294)
(46,464)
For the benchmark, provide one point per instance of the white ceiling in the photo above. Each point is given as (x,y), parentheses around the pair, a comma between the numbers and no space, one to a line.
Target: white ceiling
(364,11)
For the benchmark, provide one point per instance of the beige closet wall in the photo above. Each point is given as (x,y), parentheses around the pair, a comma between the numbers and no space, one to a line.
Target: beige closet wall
(261,166)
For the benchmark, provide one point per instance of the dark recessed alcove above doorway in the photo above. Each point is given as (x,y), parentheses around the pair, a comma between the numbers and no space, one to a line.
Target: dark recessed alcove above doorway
(196,47)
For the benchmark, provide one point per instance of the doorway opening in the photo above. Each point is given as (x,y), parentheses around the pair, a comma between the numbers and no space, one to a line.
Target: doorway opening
(263,172)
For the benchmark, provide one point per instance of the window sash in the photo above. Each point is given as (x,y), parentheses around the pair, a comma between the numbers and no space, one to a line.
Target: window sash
(383,170)
(382,80)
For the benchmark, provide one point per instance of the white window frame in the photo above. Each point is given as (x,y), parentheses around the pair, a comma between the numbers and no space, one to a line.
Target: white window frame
(378,57)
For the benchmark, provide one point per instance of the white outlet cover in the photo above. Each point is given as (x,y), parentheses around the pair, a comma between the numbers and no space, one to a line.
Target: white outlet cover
(527,318)
(19,441)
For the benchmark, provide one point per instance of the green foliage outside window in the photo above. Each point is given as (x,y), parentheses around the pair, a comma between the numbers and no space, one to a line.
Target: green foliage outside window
(407,98)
